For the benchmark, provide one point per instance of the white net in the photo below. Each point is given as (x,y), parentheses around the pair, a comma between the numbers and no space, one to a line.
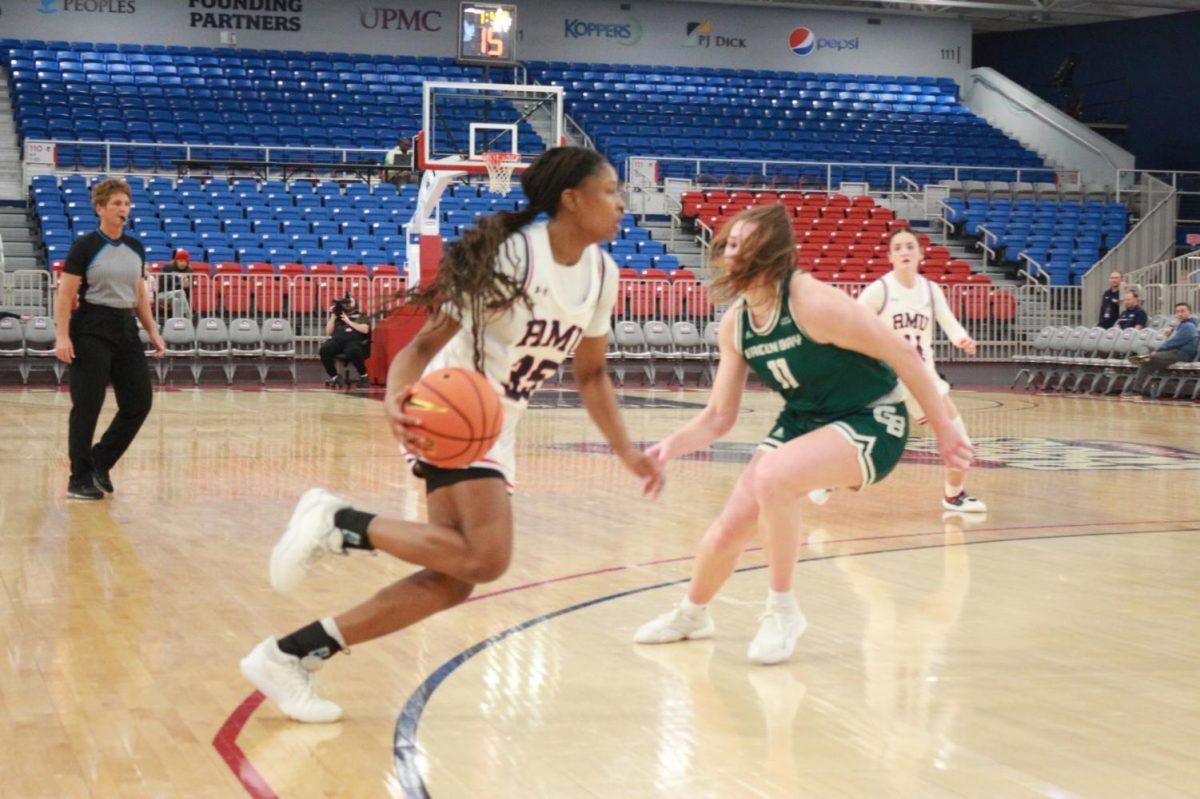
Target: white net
(500,166)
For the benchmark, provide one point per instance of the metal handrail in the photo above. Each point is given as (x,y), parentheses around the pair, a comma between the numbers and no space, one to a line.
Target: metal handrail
(947,225)
(1073,135)
(1174,174)
(187,148)
(987,234)
(1038,274)
(829,166)
(575,127)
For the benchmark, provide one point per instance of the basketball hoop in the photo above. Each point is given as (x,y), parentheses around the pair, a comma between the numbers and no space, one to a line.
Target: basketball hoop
(500,166)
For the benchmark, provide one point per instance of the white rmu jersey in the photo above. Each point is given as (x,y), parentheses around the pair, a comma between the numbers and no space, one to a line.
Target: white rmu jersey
(912,311)
(524,346)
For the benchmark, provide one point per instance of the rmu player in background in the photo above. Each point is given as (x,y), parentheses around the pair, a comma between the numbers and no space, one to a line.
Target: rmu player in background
(910,304)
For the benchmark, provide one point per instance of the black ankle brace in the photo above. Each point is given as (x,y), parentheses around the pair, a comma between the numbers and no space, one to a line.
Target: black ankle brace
(353,525)
(310,641)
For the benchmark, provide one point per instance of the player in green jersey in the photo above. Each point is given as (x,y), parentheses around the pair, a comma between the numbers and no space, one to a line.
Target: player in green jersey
(843,424)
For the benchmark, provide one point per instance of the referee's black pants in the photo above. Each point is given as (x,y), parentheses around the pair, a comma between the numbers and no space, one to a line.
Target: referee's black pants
(107,350)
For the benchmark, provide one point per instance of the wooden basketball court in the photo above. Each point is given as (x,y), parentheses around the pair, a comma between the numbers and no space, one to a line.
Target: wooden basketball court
(1051,649)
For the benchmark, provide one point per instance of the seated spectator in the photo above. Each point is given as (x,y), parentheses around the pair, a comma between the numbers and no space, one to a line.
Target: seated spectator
(1134,316)
(349,342)
(176,291)
(1181,346)
(399,163)
(1110,303)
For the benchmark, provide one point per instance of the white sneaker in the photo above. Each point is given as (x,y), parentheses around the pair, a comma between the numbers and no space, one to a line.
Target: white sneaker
(819,496)
(675,626)
(964,503)
(777,636)
(287,683)
(309,535)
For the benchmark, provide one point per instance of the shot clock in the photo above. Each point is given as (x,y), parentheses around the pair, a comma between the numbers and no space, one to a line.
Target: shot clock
(487,33)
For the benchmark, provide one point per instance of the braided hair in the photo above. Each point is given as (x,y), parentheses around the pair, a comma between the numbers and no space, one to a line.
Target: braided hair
(467,277)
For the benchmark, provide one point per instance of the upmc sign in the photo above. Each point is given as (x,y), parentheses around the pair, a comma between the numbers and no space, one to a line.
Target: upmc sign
(400,19)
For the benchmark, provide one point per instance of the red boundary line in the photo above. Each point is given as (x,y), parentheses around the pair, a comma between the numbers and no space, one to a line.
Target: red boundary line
(225,741)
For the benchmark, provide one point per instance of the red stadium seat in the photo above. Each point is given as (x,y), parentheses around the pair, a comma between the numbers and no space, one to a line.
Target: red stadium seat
(269,293)
(300,297)
(976,304)
(204,300)
(358,287)
(642,299)
(699,306)
(1004,306)
(672,301)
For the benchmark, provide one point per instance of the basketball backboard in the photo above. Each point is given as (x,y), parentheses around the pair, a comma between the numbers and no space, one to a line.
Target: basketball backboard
(463,121)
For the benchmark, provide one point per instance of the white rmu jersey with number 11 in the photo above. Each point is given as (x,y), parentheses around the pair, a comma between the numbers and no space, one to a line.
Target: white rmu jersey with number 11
(524,346)
(911,312)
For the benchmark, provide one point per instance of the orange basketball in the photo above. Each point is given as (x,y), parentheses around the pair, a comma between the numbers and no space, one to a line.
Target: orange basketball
(460,414)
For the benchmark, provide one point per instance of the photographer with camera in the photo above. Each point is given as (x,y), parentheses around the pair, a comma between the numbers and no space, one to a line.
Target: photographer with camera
(349,339)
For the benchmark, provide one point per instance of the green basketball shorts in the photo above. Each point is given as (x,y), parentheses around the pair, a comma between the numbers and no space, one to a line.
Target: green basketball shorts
(878,433)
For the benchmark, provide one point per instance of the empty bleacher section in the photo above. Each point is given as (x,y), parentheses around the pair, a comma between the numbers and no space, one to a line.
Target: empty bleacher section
(269,249)
(702,114)
(1058,241)
(217,97)
(269,223)
(1094,360)
(843,240)
(244,220)
(276,253)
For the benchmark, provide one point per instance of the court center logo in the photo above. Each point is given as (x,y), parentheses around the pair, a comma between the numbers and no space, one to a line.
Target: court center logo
(700,34)
(626,33)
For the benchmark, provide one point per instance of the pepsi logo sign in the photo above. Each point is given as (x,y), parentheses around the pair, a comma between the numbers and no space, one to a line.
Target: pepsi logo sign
(802,41)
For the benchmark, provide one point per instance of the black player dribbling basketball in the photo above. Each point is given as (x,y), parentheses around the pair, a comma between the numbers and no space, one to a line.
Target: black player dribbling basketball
(513,299)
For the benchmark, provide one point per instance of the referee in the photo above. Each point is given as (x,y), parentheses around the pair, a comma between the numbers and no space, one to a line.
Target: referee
(106,271)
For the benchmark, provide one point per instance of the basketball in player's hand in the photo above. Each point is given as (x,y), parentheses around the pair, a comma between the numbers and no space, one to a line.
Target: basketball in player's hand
(460,416)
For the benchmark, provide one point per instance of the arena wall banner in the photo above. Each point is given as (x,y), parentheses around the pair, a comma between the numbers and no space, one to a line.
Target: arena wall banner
(696,34)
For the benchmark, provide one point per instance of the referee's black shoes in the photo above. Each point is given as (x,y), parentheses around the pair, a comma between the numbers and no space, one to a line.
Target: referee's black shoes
(102,480)
(84,489)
